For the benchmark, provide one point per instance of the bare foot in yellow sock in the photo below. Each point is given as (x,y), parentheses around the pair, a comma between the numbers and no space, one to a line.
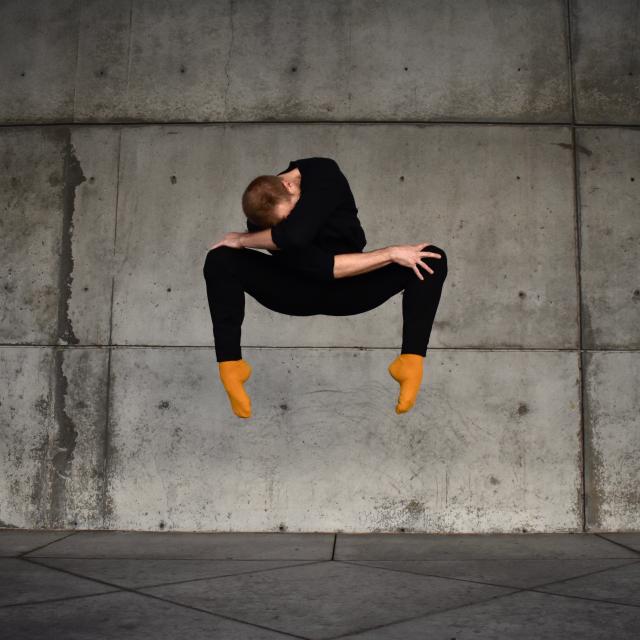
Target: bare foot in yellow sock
(407,370)
(233,373)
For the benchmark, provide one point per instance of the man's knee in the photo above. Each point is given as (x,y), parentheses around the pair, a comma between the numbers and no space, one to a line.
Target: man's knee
(217,257)
(439,265)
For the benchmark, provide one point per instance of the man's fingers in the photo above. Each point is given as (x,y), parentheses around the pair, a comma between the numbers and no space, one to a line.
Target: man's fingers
(418,272)
(425,266)
(431,254)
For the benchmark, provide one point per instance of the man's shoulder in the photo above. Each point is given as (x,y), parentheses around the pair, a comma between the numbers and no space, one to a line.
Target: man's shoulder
(323,161)
(320,167)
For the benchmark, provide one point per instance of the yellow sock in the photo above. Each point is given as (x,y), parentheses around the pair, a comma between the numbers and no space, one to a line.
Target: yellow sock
(233,373)
(407,370)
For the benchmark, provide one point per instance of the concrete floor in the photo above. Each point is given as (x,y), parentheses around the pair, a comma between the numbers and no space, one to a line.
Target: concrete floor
(114,584)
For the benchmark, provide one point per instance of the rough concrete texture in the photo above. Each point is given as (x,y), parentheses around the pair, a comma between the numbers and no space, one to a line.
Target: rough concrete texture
(605,53)
(489,448)
(610,235)
(613,437)
(241,60)
(228,585)
(52,449)
(39,50)
(31,199)
(111,412)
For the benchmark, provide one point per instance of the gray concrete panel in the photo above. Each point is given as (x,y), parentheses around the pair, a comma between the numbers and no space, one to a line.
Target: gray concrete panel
(345,598)
(609,169)
(114,615)
(57,241)
(52,421)
(526,615)
(192,545)
(147,572)
(475,61)
(92,237)
(150,61)
(13,542)
(507,224)
(618,584)
(32,583)
(612,436)
(542,546)
(521,572)
(487,447)
(38,52)
(333,60)
(630,539)
(604,46)
(31,197)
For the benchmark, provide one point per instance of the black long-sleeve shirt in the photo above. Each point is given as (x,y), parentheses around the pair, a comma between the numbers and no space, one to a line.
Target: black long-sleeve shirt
(323,223)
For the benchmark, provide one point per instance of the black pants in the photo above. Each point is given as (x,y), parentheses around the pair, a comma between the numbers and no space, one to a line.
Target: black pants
(229,273)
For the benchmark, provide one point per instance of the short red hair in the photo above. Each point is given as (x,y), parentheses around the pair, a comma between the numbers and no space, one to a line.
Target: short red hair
(261,197)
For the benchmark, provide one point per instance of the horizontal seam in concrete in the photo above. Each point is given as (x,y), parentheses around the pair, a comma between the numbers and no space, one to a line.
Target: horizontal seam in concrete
(453,123)
(336,348)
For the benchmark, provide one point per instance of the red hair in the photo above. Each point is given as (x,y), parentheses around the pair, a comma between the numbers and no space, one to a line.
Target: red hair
(261,197)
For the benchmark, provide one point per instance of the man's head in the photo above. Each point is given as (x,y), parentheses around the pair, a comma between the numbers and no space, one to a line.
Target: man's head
(269,199)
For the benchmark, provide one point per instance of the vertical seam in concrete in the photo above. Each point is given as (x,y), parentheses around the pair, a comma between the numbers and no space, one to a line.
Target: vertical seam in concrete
(228,63)
(105,508)
(577,233)
(349,59)
(126,93)
(78,13)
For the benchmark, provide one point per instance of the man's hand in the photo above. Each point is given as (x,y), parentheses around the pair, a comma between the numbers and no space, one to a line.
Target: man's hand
(232,239)
(409,255)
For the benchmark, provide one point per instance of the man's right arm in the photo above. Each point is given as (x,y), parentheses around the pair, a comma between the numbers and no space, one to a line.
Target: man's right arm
(352,264)
(258,240)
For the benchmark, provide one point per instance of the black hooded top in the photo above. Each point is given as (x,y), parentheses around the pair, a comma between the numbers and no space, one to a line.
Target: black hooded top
(323,223)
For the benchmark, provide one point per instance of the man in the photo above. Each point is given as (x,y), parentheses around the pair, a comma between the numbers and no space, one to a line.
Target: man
(306,217)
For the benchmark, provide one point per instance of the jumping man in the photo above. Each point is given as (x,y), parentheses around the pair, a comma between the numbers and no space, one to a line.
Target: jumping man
(306,217)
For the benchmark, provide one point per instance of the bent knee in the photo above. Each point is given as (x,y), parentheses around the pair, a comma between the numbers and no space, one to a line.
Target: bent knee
(436,249)
(437,264)
(217,256)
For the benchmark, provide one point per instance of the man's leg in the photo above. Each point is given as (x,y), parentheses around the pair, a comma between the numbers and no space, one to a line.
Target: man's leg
(229,273)
(420,299)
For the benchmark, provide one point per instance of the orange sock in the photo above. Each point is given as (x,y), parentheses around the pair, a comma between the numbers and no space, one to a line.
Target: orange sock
(407,370)
(233,373)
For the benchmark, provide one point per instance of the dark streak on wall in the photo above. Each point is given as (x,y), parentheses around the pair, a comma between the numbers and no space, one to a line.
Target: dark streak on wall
(63,446)
(73,177)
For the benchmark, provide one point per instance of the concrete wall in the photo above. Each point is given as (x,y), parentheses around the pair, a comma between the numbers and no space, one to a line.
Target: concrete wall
(507,133)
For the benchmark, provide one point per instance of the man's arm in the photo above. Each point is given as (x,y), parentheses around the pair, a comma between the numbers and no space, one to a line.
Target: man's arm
(344,264)
(352,264)
(258,240)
